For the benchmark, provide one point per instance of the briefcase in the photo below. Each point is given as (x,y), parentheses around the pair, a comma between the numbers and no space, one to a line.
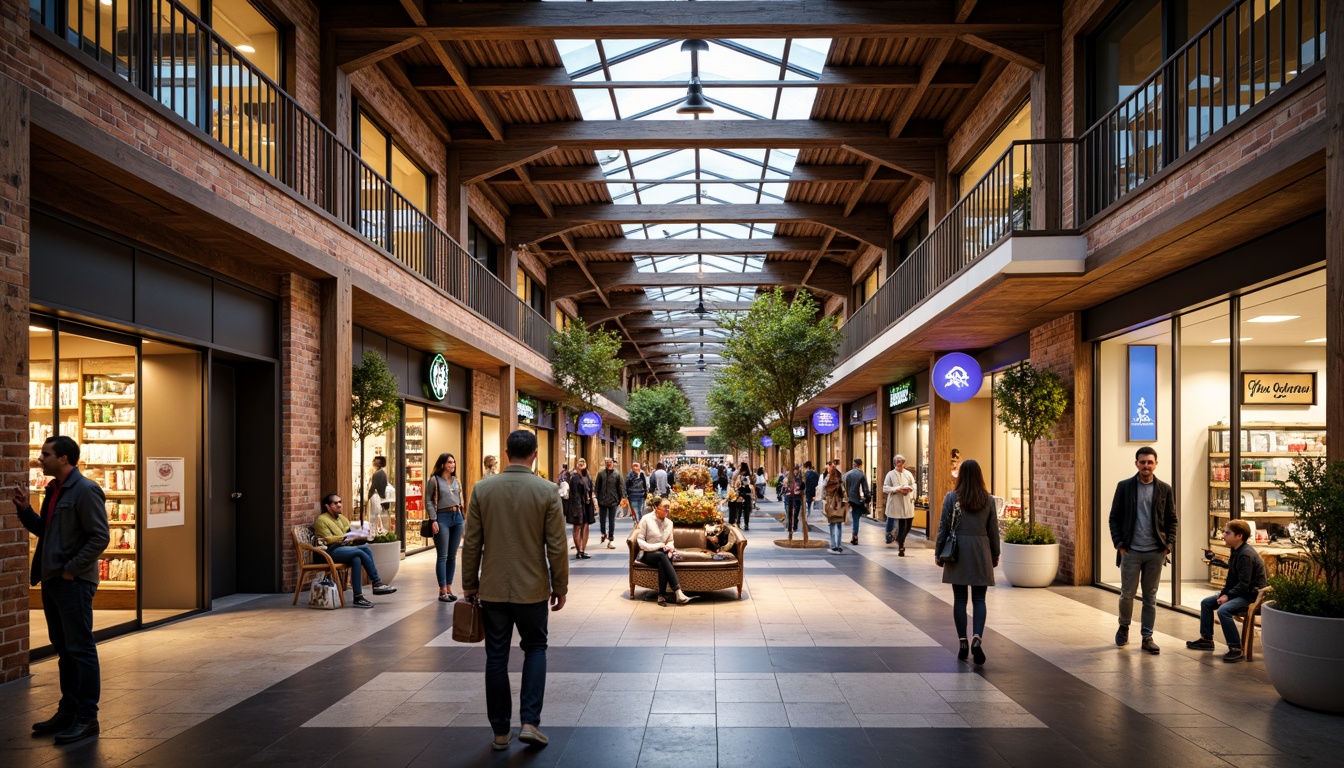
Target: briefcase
(467,624)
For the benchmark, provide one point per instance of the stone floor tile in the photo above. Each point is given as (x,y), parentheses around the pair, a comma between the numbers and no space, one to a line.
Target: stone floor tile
(752,715)
(688,702)
(820,715)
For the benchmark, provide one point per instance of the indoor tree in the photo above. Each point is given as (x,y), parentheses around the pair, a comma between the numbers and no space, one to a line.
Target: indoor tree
(585,364)
(657,415)
(1029,401)
(734,415)
(781,353)
(375,407)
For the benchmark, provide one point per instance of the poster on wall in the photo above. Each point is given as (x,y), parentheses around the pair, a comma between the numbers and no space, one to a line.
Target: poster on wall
(164,489)
(1142,400)
(1278,387)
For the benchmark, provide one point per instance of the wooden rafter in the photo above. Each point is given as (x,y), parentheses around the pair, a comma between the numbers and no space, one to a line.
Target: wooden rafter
(698,134)
(857,194)
(456,69)
(519,79)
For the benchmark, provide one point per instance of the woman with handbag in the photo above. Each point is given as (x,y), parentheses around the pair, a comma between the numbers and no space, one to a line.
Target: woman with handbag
(968,551)
(580,508)
(743,489)
(835,506)
(445,498)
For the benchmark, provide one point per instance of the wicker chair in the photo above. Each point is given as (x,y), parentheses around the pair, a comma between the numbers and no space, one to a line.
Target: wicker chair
(695,575)
(314,559)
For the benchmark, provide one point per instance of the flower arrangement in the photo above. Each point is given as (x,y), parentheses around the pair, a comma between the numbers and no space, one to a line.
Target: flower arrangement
(694,509)
(693,476)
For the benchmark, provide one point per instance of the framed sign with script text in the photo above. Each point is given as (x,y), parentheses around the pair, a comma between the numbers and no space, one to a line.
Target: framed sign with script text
(1278,387)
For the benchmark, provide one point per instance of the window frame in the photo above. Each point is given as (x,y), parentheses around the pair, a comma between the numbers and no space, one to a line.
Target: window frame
(361,111)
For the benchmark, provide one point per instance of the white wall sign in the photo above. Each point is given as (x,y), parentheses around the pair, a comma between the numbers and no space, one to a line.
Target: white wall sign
(164,489)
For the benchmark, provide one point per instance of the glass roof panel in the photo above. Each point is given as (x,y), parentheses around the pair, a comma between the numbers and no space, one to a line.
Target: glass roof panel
(798,104)
(577,54)
(633,101)
(595,104)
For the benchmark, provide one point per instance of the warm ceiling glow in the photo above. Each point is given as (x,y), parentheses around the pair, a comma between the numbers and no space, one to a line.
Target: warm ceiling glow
(1273,318)
(1316,341)
(245,48)
(1228,341)
(35,329)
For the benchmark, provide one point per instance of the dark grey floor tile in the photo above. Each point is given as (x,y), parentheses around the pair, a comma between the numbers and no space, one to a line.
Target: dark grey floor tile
(935,748)
(835,748)
(385,747)
(771,747)
(679,747)
(465,747)
(602,748)
(1037,746)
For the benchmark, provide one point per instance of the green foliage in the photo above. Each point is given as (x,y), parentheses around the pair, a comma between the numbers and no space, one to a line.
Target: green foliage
(657,415)
(585,364)
(1029,401)
(1315,491)
(718,445)
(375,397)
(1018,532)
(384,537)
(781,354)
(735,416)
(1301,592)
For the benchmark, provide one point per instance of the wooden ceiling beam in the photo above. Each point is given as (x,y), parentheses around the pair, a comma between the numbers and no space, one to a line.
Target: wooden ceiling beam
(698,134)
(683,246)
(746,19)
(354,55)
(958,77)
(479,164)
(645,322)
(862,187)
(1026,49)
(811,174)
(456,70)
(397,76)
(543,202)
(892,154)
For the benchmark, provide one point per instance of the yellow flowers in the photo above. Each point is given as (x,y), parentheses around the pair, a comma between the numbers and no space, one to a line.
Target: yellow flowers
(693,508)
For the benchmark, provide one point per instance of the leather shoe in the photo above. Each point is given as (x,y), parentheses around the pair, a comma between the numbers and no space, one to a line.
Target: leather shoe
(1150,646)
(79,730)
(56,723)
(529,734)
(1122,636)
(853,539)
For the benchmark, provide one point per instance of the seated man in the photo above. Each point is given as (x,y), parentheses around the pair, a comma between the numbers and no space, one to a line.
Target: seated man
(1245,577)
(330,528)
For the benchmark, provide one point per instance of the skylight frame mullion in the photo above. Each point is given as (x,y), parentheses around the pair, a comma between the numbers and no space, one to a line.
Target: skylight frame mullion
(634,52)
(727,106)
(653,110)
(767,58)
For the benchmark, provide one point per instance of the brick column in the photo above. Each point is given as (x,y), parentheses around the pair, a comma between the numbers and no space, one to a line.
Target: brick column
(14,175)
(508,410)
(1057,496)
(1334,241)
(300,412)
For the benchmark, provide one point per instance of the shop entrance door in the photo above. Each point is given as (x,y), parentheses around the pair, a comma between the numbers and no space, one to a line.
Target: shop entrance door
(244,546)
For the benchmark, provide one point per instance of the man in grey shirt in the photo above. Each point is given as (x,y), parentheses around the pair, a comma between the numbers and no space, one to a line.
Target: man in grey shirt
(1143,529)
(658,482)
(856,489)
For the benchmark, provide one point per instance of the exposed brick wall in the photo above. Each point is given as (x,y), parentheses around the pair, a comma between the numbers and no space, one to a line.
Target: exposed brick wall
(300,410)
(376,93)
(487,215)
(485,394)
(14,178)
(1055,492)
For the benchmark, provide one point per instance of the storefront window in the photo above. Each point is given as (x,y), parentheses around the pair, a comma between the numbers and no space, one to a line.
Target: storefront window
(429,432)
(379,452)
(1204,482)
(911,440)
(490,444)
(1008,479)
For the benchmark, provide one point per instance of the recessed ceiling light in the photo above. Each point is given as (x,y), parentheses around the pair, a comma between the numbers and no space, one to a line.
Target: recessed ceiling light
(245,48)
(1316,341)
(35,329)
(1228,341)
(1273,318)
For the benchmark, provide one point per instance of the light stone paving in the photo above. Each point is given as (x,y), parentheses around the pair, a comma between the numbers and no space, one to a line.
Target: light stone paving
(726,700)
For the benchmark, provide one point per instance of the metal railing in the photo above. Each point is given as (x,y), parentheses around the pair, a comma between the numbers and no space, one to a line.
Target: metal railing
(164,49)
(1251,50)
(1021,192)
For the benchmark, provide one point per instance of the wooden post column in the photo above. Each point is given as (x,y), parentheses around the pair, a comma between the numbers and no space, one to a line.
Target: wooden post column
(456,220)
(472,429)
(508,410)
(1084,525)
(337,368)
(14,370)
(940,455)
(884,454)
(1334,242)
(1047,87)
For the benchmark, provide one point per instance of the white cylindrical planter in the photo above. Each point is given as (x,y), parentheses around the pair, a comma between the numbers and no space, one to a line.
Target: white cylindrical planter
(387,558)
(1029,565)
(1304,656)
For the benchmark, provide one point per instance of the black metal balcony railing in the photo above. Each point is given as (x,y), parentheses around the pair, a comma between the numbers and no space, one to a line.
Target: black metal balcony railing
(1012,197)
(1248,52)
(164,49)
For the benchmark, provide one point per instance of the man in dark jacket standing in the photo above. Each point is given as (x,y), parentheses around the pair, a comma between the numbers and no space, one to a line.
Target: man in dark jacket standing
(1245,577)
(71,533)
(810,480)
(1143,530)
(856,490)
(609,490)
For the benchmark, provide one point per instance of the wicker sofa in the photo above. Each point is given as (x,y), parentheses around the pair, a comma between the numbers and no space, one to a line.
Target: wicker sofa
(696,572)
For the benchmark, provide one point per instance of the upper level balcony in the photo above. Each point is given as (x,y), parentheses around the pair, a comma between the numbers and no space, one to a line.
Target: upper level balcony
(165,50)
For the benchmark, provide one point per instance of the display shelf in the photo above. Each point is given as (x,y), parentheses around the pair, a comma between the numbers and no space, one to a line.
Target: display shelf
(122,523)
(1249,455)
(120,552)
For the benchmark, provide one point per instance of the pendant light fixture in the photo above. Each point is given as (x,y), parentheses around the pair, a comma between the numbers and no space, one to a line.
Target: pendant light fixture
(700,307)
(695,103)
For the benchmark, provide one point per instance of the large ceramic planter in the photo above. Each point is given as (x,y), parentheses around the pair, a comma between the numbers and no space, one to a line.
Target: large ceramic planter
(1029,565)
(1304,656)
(387,559)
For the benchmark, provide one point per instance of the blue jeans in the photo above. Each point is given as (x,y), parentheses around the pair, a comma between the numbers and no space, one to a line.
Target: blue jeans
(637,508)
(837,533)
(360,559)
(977,608)
(606,518)
(498,620)
(792,511)
(1209,605)
(68,606)
(856,512)
(445,546)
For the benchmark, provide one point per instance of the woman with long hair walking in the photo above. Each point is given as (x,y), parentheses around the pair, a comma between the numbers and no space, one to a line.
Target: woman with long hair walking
(445,498)
(969,515)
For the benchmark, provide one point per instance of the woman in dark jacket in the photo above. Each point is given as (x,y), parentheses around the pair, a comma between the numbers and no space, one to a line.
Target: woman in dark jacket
(977,529)
(580,508)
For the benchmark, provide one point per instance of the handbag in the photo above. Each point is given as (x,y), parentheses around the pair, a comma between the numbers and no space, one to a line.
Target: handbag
(948,552)
(427,528)
(324,594)
(564,489)
(467,624)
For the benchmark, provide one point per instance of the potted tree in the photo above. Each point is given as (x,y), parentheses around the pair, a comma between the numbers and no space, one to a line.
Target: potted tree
(375,408)
(1029,402)
(1303,626)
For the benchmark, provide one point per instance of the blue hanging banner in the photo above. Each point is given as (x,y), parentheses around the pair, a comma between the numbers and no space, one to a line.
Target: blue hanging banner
(1142,399)
(956,377)
(590,423)
(825,421)
(767,442)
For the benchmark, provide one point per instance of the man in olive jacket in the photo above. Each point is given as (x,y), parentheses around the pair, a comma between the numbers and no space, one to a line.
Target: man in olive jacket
(513,561)
(1143,530)
(72,533)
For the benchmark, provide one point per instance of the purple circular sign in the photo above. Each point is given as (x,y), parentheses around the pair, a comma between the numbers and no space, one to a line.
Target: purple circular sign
(825,421)
(590,423)
(956,377)
(766,442)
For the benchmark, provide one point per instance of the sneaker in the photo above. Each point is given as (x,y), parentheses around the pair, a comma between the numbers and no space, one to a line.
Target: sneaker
(890,538)
(383,589)
(1233,656)
(609,546)
(448,598)
(1150,646)
(361,601)
(530,735)
(1122,635)
(1202,644)
(500,743)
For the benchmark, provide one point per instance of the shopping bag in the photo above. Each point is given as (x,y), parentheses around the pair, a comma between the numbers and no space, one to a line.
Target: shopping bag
(467,624)
(324,594)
